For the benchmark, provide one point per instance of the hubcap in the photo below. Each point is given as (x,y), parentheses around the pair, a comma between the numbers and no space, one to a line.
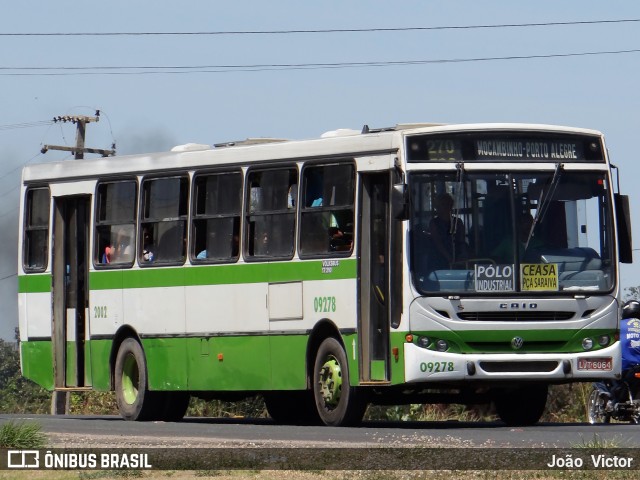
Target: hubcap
(331,382)
(130,379)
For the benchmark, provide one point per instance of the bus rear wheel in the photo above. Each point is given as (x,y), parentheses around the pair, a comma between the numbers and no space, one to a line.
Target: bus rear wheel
(135,401)
(338,403)
(521,406)
(295,407)
(173,406)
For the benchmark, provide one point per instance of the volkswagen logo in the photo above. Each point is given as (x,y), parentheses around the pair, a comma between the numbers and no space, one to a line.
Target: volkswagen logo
(517,343)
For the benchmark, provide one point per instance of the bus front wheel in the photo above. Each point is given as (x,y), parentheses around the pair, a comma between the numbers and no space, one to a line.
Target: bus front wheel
(338,403)
(135,401)
(521,406)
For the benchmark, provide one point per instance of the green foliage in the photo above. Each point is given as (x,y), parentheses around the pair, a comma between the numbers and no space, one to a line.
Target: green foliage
(567,403)
(632,293)
(252,407)
(110,474)
(17,394)
(22,435)
(93,403)
(598,442)
(430,413)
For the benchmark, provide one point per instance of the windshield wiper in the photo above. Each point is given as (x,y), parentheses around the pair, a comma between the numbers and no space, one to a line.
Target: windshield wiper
(459,196)
(543,203)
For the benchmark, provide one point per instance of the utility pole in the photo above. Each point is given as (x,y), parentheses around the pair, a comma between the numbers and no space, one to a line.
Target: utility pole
(79,150)
(60,398)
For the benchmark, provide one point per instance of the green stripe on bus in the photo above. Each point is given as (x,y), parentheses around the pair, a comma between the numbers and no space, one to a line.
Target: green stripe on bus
(34,283)
(203,275)
(221,274)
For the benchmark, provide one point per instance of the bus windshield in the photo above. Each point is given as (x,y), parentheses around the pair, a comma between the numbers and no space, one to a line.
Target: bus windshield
(526,232)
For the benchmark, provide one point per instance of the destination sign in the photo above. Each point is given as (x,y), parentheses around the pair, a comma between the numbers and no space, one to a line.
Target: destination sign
(504,147)
(498,149)
(539,277)
(494,278)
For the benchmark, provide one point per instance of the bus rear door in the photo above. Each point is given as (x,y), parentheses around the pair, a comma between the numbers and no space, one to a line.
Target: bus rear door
(70,291)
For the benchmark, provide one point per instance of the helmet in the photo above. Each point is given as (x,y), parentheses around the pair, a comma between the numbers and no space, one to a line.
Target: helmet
(631,309)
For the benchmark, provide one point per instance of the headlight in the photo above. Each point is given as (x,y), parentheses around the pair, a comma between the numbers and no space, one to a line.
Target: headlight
(603,340)
(423,342)
(442,346)
(587,343)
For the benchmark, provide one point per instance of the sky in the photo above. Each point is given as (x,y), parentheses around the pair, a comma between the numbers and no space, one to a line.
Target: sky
(203,84)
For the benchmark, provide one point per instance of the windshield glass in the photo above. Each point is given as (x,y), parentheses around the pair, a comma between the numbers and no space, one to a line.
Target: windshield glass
(511,232)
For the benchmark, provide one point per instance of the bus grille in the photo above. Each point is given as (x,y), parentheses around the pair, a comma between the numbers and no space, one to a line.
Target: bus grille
(517,316)
(515,367)
(529,346)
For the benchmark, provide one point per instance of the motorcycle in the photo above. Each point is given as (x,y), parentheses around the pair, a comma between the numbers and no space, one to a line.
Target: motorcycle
(618,399)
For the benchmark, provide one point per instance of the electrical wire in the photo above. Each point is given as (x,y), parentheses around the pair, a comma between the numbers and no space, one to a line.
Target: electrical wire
(14,126)
(185,69)
(322,31)
(8,276)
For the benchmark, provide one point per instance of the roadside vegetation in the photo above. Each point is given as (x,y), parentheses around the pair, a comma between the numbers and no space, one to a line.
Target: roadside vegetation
(22,435)
(566,403)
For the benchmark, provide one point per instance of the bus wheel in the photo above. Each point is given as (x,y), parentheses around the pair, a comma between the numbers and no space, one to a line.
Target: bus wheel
(522,406)
(174,406)
(336,401)
(135,401)
(295,407)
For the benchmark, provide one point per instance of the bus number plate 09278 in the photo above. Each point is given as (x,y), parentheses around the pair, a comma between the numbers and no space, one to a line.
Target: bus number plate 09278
(604,364)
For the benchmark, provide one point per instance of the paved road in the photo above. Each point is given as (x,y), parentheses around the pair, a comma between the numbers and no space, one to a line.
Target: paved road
(111,431)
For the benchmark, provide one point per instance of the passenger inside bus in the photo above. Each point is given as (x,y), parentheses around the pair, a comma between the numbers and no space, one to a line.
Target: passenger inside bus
(147,246)
(123,248)
(108,254)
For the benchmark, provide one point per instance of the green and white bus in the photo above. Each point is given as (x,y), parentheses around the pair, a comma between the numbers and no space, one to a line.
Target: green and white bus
(421,263)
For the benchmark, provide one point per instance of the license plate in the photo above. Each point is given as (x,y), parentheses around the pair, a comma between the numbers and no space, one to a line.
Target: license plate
(604,364)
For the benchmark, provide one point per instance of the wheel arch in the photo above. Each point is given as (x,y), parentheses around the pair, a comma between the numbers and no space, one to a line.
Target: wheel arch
(124,332)
(325,328)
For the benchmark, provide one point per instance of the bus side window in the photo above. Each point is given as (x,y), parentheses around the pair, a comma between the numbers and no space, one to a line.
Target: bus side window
(36,230)
(271,214)
(327,213)
(217,209)
(115,221)
(164,220)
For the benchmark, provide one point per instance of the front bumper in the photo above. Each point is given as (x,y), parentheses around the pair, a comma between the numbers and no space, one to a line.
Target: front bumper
(423,365)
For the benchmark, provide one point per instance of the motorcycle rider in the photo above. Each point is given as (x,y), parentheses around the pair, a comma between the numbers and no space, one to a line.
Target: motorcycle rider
(630,347)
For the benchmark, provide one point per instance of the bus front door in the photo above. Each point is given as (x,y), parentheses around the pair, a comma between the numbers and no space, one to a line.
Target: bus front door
(373,319)
(70,291)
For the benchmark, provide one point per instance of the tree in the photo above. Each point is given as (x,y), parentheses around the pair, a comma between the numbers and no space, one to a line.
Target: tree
(632,293)
(18,394)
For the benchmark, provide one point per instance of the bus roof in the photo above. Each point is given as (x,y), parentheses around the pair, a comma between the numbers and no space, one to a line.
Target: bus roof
(342,142)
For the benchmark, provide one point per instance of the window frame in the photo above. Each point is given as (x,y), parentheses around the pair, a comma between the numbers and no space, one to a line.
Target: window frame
(195,217)
(143,221)
(97,223)
(303,209)
(247,213)
(28,228)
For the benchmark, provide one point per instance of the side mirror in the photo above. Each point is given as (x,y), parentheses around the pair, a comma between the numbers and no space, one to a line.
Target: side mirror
(399,202)
(623,220)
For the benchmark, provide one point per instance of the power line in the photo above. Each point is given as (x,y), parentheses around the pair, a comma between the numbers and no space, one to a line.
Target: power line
(8,276)
(14,126)
(321,31)
(185,69)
